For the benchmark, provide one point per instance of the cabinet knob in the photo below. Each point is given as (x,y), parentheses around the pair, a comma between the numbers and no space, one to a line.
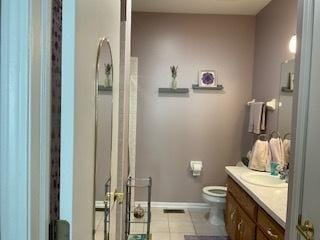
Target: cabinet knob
(241,229)
(232,216)
(272,235)
(240,226)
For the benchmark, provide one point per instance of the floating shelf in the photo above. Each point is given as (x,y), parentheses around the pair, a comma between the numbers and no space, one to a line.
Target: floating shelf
(105,88)
(197,87)
(172,90)
(285,89)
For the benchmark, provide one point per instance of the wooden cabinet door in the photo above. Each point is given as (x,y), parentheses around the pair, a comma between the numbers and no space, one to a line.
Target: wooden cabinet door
(260,236)
(243,199)
(269,227)
(231,217)
(246,228)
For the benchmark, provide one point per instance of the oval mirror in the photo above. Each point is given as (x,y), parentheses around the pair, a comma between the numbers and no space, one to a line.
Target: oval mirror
(286,97)
(103,139)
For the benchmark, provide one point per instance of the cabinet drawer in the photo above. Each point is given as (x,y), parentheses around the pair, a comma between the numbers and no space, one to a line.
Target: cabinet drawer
(269,227)
(244,200)
(261,236)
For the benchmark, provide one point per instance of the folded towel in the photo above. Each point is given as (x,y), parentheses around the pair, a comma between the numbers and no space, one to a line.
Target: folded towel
(257,120)
(277,151)
(287,149)
(268,163)
(260,156)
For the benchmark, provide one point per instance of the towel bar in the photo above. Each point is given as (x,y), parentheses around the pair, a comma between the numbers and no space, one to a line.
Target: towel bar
(272,105)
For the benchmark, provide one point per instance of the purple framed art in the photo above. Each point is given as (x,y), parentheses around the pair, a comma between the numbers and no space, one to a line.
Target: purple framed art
(208,78)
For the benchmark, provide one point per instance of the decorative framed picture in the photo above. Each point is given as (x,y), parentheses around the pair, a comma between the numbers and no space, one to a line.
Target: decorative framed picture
(208,78)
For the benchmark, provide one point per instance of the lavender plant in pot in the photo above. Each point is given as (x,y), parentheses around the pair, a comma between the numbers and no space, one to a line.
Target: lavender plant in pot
(174,73)
(108,72)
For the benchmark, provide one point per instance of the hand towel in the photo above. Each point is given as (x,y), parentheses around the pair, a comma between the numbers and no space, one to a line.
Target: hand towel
(260,156)
(277,151)
(257,120)
(287,149)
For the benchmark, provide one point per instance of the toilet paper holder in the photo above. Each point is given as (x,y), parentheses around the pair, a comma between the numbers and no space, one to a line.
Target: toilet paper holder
(196,167)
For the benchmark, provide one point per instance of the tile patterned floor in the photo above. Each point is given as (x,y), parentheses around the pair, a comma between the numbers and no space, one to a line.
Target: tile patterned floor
(172,226)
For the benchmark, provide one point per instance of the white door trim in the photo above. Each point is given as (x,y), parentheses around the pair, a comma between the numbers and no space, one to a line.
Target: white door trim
(300,114)
(25,90)
(67,107)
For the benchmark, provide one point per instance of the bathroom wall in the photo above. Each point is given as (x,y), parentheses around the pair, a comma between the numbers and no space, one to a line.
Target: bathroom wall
(209,126)
(275,25)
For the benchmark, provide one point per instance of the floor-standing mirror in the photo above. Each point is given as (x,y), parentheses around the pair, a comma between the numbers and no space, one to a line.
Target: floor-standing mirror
(103,140)
(286,97)
(285,106)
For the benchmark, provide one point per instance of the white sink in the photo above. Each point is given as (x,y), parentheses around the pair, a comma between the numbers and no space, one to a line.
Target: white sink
(264,179)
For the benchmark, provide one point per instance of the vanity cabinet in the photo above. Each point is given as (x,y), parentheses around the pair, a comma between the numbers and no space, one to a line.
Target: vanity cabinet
(245,220)
(231,217)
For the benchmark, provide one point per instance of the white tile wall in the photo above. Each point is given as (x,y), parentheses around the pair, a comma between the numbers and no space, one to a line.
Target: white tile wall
(133,114)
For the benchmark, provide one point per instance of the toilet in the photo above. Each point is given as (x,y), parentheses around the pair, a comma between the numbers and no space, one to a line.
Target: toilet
(216,197)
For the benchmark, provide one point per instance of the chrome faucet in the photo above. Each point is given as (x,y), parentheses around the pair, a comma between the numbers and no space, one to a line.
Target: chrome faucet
(284,173)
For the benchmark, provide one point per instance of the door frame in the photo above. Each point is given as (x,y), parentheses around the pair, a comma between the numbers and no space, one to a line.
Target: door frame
(305,30)
(25,104)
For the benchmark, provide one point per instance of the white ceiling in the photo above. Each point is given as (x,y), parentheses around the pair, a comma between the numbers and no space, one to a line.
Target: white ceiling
(230,7)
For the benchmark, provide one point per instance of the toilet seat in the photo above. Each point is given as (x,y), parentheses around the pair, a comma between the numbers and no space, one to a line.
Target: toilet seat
(215,191)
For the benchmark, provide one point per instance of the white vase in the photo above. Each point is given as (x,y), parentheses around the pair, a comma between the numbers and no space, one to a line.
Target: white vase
(174,83)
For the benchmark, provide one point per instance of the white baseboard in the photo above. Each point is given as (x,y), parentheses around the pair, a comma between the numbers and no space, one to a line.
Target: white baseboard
(99,204)
(178,205)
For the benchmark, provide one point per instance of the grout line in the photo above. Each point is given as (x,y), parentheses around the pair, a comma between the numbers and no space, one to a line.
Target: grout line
(194,226)
(169,226)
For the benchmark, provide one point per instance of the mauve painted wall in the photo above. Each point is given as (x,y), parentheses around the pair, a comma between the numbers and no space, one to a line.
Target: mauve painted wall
(209,126)
(275,25)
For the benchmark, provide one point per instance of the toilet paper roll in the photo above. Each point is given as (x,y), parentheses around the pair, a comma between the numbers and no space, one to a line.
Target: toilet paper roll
(196,167)
(196,173)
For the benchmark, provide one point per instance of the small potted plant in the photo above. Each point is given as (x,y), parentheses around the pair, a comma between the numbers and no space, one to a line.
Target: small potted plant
(108,69)
(174,73)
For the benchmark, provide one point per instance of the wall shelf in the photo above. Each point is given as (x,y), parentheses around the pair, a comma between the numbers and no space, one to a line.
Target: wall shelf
(172,90)
(197,87)
(285,89)
(105,88)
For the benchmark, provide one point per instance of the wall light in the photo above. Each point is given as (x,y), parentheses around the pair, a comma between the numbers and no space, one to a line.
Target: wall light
(293,44)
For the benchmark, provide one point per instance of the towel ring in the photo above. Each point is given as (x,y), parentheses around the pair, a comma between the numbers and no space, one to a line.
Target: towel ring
(263,137)
(272,135)
(287,136)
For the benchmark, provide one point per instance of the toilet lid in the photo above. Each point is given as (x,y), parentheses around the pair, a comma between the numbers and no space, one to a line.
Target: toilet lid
(215,191)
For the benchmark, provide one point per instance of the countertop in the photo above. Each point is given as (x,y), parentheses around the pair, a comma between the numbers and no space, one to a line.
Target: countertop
(272,200)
